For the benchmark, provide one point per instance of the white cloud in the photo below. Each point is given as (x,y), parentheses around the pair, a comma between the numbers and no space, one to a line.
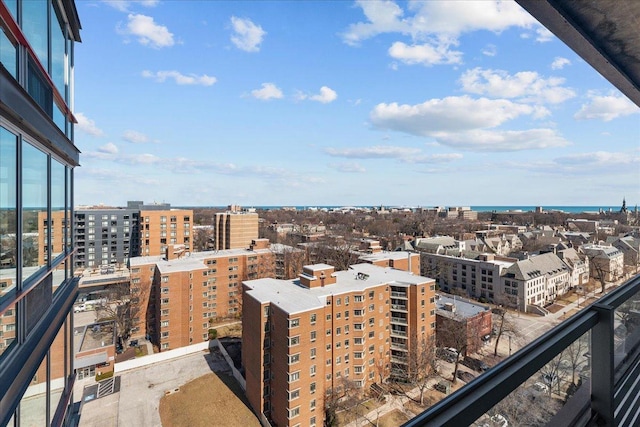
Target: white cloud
(425,54)
(325,96)
(464,122)
(587,163)
(247,35)
(348,167)
(87,125)
(606,108)
(502,140)
(135,137)
(268,91)
(403,154)
(147,31)
(434,158)
(123,5)
(528,86)
(374,152)
(490,50)
(179,78)
(109,148)
(543,35)
(444,19)
(447,114)
(559,63)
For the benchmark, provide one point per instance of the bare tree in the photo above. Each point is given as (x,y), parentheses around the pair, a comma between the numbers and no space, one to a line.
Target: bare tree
(122,306)
(574,354)
(553,374)
(503,323)
(455,333)
(345,396)
(422,365)
(203,239)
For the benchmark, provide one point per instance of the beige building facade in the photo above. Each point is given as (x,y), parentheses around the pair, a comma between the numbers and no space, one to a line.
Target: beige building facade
(235,230)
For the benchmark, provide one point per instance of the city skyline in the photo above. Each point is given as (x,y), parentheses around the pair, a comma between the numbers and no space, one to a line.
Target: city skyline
(343,103)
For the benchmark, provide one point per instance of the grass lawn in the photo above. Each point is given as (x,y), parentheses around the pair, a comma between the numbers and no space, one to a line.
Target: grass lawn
(212,400)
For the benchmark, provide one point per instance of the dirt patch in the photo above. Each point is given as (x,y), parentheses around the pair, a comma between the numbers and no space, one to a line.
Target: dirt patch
(202,401)
(393,419)
(554,308)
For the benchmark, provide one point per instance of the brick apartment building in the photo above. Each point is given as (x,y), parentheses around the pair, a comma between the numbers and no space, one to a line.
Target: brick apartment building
(235,229)
(176,296)
(461,324)
(304,337)
(160,228)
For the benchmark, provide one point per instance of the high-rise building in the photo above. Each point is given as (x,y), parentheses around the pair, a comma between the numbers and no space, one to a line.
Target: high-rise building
(37,158)
(302,338)
(107,236)
(161,228)
(235,230)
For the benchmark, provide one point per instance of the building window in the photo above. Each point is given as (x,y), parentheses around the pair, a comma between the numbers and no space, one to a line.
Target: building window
(313,353)
(294,358)
(294,376)
(294,340)
(312,388)
(294,323)
(312,318)
(294,412)
(294,394)
(312,370)
(313,336)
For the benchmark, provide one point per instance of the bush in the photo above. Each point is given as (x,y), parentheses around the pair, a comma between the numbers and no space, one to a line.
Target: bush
(104,375)
(213,334)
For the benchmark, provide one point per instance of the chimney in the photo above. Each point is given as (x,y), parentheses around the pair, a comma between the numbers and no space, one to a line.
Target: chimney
(322,277)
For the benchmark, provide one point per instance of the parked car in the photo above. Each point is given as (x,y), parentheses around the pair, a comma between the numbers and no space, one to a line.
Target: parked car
(447,353)
(475,364)
(465,376)
(540,387)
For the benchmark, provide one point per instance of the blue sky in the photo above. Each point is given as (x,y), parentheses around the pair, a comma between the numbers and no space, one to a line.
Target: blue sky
(343,103)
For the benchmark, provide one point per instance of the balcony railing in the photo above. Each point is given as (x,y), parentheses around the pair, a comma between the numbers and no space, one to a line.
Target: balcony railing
(398,294)
(401,320)
(606,395)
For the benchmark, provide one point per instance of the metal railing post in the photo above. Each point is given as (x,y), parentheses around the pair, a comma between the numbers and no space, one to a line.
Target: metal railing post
(602,381)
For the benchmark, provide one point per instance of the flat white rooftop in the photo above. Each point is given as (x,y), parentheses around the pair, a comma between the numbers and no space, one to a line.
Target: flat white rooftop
(293,298)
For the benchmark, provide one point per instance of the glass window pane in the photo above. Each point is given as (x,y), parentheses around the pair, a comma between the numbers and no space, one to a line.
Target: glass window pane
(7,329)
(8,223)
(58,198)
(8,54)
(33,406)
(34,215)
(12,5)
(35,28)
(58,57)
